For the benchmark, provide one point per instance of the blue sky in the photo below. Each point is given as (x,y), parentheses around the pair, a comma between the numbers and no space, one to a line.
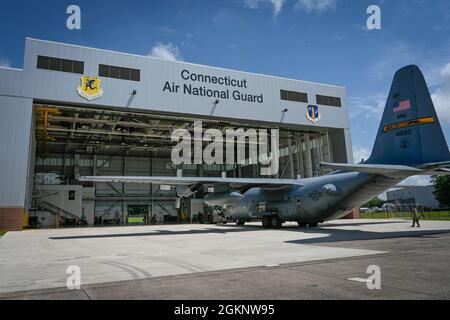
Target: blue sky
(315,40)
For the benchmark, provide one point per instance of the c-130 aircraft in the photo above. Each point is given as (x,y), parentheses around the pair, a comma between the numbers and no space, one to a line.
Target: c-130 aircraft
(409,142)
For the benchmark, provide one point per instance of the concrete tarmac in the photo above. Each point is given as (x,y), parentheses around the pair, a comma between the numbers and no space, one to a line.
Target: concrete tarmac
(228,262)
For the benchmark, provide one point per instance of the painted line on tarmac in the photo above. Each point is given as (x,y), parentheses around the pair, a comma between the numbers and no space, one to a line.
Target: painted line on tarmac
(363,280)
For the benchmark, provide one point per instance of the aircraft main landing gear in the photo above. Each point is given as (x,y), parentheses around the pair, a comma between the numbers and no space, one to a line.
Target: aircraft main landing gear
(266,222)
(272,222)
(276,222)
(308,224)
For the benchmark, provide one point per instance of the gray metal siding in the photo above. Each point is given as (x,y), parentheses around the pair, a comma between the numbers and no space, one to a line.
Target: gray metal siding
(15,127)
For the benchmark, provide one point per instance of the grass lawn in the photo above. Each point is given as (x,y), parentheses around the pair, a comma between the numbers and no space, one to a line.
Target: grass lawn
(434,215)
(2,233)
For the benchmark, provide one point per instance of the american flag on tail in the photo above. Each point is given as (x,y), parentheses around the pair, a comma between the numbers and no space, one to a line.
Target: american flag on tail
(402,106)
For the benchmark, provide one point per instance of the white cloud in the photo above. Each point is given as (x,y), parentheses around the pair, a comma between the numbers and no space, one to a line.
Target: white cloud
(307,5)
(5,63)
(365,115)
(276,4)
(363,108)
(317,5)
(441,96)
(360,153)
(167,51)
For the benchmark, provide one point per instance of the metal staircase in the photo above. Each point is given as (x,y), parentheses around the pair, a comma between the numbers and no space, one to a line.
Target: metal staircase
(39,204)
(42,205)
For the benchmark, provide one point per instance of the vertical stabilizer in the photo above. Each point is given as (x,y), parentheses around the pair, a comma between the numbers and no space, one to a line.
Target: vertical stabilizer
(410,132)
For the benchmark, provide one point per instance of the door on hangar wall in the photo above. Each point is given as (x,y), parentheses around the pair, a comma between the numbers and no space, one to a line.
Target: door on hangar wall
(138,214)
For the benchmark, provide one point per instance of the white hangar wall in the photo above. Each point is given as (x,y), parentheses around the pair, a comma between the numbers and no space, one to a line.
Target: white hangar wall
(61,86)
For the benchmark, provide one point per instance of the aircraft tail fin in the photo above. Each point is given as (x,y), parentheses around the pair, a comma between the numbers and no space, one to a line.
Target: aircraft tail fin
(410,133)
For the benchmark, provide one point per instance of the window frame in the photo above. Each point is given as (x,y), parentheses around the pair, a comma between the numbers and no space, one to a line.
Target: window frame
(294,96)
(56,64)
(329,101)
(128,74)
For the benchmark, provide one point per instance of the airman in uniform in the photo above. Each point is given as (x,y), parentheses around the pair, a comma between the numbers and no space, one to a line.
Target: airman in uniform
(415,218)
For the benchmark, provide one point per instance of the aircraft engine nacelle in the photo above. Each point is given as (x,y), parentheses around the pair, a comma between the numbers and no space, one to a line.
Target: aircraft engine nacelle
(222,199)
(184,192)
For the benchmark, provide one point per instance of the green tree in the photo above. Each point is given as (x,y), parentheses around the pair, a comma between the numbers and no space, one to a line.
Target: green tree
(374,203)
(442,190)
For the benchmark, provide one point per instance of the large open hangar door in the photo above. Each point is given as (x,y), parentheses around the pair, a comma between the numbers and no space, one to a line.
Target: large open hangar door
(73,141)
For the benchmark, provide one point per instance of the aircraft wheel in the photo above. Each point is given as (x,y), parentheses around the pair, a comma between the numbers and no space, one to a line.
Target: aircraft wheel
(276,222)
(313,224)
(302,224)
(240,222)
(267,222)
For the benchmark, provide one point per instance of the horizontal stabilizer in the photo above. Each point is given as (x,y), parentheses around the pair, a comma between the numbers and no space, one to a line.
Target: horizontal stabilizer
(437,165)
(439,172)
(391,171)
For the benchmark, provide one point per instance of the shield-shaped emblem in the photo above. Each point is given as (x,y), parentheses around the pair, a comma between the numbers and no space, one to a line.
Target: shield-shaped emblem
(313,114)
(90,88)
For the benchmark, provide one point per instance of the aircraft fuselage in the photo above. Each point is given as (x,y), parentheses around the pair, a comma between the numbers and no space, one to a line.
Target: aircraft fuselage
(319,199)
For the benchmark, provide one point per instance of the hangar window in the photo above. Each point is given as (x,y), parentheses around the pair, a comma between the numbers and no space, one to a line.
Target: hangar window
(294,96)
(114,72)
(124,73)
(135,75)
(57,64)
(66,65)
(329,101)
(119,73)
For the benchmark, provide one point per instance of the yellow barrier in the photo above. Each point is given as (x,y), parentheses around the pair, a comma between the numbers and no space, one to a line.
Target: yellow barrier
(26,219)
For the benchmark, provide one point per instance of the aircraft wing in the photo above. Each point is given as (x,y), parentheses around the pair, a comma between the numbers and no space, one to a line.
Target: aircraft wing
(232,183)
(392,171)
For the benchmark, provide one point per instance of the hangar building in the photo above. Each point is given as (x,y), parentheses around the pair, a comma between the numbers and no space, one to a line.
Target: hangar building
(414,195)
(74,111)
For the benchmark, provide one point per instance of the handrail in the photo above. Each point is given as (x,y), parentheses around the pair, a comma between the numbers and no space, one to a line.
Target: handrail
(46,205)
(40,202)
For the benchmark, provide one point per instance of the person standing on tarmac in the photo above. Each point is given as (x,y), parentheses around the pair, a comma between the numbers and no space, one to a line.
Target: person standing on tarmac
(415,218)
